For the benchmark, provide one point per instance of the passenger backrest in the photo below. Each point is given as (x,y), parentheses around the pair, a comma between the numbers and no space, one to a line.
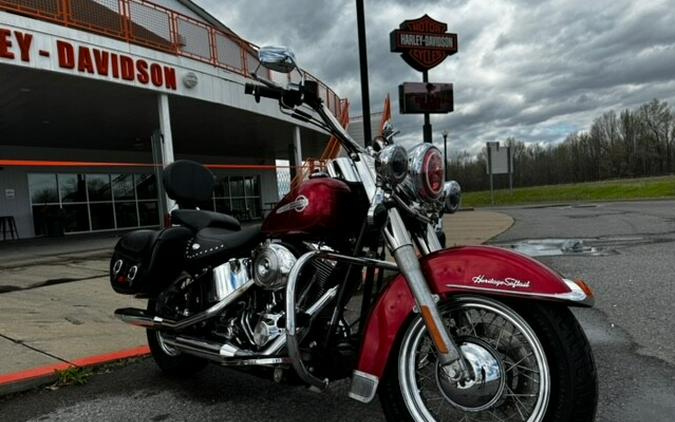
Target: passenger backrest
(188,183)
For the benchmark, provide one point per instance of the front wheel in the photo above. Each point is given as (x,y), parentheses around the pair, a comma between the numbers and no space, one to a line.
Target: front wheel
(532,363)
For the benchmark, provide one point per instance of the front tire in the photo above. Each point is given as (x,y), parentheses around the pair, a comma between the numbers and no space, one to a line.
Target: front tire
(171,361)
(535,361)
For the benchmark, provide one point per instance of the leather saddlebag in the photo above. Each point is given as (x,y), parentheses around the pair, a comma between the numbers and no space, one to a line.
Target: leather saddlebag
(146,261)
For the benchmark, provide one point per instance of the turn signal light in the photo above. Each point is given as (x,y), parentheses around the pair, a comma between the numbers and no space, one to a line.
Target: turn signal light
(585,287)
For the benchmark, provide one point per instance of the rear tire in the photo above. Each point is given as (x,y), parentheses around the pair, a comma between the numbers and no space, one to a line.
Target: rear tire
(171,361)
(573,390)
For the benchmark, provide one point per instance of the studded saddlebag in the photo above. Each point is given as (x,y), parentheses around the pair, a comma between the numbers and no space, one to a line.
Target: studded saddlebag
(146,261)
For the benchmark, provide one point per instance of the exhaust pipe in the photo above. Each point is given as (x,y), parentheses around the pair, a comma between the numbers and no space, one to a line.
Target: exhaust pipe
(222,353)
(204,348)
(141,318)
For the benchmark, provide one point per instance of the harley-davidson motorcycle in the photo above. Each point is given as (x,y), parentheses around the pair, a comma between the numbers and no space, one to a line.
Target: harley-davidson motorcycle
(346,277)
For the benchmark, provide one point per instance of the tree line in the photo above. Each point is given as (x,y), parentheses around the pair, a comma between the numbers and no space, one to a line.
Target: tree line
(632,143)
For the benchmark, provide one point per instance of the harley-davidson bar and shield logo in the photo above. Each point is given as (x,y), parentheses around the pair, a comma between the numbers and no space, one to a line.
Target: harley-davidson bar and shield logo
(423,43)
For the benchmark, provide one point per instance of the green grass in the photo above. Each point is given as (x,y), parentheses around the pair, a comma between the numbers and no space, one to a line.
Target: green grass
(609,190)
(73,375)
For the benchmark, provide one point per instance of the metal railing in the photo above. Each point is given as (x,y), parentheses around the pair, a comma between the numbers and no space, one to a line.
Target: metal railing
(150,25)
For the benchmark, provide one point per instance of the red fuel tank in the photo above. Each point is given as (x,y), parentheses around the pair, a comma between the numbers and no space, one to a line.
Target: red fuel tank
(318,208)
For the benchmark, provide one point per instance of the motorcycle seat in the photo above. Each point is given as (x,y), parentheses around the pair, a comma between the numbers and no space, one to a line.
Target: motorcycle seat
(199,219)
(214,245)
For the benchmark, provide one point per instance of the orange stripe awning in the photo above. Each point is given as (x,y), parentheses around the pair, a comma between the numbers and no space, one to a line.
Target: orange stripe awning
(98,164)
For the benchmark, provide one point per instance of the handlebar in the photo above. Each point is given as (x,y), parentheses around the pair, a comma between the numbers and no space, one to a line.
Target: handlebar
(307,94)
(263,91)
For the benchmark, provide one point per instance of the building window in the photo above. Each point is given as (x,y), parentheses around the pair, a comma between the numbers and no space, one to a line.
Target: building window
(43,188)
(72,188)
(75,203)
(238,196)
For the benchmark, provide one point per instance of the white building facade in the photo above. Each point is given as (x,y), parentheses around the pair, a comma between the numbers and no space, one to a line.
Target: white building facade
(97,95)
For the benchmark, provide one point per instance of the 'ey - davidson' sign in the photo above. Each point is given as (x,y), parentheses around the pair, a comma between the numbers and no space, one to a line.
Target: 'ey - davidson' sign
(423,43)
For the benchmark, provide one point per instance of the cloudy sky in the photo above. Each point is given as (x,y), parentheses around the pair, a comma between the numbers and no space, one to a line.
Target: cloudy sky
(534,70)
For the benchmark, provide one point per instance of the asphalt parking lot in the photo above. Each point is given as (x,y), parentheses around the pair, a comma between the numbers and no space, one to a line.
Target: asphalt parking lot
(631,327)
(631,331)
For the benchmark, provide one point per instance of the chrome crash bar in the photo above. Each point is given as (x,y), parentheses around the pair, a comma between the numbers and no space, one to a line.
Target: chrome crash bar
(291,329)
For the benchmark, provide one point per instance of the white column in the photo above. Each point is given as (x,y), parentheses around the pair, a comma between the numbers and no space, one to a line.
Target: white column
(165,128)
(297,144)
(167,138)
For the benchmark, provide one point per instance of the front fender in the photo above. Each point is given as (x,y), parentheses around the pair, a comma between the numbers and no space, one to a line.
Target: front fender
(469,269)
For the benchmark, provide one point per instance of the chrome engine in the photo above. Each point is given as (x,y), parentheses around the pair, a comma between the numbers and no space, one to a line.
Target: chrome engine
(234,313)
(271,265)
(255,319)
(229,277)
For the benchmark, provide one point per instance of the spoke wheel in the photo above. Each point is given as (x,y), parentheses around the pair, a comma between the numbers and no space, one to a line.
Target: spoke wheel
(511,375)
(168,358)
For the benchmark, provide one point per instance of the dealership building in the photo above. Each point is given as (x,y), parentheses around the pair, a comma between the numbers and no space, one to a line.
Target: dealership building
(97,95)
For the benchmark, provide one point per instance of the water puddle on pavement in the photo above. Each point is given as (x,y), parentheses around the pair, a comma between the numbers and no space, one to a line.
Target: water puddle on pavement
(556,247)
(600,246)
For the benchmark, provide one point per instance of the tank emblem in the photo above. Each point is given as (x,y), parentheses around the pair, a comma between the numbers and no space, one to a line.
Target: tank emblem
(298,205)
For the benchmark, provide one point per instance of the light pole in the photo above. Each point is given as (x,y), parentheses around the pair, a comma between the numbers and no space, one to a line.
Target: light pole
(363,61)
(445,152)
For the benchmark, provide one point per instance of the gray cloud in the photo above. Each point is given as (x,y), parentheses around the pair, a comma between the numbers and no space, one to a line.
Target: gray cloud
(533,70)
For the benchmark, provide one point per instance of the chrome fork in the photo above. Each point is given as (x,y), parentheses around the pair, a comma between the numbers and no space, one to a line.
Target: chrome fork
(400,244)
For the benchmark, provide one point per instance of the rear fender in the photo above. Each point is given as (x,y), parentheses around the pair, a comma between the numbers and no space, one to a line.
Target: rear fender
(480,270)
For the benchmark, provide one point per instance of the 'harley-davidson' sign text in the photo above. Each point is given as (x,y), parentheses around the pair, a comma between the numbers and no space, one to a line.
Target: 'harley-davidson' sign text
(18,45)
(423,43)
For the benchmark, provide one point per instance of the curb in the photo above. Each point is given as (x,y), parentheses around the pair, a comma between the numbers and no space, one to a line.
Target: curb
(31,378)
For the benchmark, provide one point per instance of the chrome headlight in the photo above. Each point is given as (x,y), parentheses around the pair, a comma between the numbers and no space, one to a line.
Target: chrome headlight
(427,172)
(452,187)
(392,164)
(453,196)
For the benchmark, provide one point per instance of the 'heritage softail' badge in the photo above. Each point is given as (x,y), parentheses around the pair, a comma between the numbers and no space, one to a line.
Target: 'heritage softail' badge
(299,205)
(507,282)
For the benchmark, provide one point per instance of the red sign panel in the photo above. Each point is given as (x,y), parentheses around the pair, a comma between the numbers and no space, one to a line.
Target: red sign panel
(423,43)
(424,97)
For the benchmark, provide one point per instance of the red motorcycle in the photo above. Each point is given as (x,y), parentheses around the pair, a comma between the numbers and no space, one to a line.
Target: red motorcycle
(460,334)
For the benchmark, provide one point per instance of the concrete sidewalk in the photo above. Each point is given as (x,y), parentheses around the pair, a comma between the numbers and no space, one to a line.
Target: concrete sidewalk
(56,308)
(26,252)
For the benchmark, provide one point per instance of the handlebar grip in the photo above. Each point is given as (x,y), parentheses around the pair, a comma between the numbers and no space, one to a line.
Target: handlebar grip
(263,91)
(249,89)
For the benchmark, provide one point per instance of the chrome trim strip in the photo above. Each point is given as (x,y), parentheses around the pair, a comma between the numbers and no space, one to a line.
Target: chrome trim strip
(576,295)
